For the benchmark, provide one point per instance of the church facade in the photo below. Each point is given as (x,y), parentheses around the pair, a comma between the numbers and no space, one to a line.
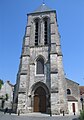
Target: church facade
(41,84)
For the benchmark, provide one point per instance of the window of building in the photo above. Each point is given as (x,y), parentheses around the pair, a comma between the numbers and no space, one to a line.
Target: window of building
(36,32)
(40,66)
(46,31)
(68,91)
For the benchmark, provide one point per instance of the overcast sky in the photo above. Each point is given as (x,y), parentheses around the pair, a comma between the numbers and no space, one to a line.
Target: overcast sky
(13,19)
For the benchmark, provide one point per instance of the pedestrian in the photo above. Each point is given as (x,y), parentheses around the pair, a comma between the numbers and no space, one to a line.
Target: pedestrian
(63,113)
(6,110)
(10,111)
(18,112)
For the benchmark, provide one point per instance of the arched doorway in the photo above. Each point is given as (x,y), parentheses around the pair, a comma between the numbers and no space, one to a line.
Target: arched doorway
(40,100)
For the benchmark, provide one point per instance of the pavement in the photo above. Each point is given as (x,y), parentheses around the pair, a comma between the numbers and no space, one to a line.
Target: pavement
(36,116)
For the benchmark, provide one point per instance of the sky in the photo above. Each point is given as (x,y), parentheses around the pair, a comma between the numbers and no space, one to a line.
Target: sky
(13,19)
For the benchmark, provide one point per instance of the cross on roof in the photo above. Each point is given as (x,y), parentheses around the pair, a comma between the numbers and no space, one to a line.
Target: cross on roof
(43,1)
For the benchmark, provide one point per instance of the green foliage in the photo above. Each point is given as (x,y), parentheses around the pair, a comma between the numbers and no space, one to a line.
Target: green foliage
(1,83)
(82,115)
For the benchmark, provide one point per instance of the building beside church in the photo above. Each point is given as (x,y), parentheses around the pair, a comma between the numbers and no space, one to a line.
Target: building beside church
(82,96)
(41,85)
(73,97)
(6,95)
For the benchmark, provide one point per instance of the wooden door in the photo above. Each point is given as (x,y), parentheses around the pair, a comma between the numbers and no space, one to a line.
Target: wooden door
(36,103)
(73,107)
(2,103)
(40,100)
(43,104)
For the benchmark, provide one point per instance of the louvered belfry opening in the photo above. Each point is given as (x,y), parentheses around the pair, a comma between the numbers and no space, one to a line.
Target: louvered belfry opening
(45,31)
(36,31)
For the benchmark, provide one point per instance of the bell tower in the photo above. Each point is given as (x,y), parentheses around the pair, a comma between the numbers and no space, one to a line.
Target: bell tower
(41,84)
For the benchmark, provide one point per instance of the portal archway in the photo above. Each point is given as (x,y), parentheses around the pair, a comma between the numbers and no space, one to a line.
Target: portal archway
(40,100)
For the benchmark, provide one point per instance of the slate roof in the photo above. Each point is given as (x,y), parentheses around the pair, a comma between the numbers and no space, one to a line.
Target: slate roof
(10,83)
(81,90)
(42,8)
(71,98)
(71,81)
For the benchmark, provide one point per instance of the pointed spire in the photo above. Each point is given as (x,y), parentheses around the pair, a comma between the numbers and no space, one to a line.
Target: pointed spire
(42,8)
(43,2)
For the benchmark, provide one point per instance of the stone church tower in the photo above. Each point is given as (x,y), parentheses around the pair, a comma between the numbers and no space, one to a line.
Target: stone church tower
(41,84)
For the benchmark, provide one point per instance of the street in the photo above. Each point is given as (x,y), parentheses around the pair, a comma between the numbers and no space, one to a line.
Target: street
(36,116)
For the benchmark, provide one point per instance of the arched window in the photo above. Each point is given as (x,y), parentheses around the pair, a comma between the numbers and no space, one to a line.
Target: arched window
(36,31)
(46,30)
(68,91)
(40,66)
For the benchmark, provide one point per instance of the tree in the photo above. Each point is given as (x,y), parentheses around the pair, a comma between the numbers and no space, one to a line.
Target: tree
(81,117)
(1,83)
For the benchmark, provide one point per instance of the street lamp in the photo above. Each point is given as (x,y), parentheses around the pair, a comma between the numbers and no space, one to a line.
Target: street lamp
(82,102)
